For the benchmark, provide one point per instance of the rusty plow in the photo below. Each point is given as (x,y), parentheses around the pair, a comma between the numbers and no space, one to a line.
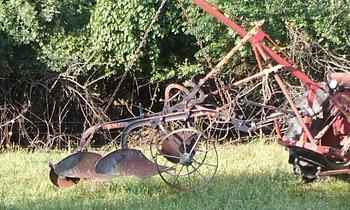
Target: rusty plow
(95,167)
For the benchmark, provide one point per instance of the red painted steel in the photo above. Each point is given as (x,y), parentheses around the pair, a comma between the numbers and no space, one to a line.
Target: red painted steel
(329,143)
(262,51)
(256,42)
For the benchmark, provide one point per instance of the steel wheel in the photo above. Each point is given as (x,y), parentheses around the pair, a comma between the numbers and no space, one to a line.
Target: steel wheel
(189,157)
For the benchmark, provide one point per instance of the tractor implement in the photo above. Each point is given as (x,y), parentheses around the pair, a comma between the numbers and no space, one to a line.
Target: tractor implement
(314,127)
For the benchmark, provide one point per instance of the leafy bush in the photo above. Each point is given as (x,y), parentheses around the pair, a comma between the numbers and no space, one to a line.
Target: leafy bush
(97,39)
(37,35)
(325,21)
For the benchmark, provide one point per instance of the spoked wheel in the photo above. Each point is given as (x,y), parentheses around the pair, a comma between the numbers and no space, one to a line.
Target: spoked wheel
(189,157)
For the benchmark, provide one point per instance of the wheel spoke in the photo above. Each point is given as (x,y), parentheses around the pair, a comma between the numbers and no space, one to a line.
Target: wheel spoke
(186,173)
(204,163)
(184,145)
(197,170)
(178,175)
(164,163)
(196,142)
(169,156)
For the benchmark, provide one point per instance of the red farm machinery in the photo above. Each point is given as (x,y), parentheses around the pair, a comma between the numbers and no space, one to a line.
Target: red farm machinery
(314,127)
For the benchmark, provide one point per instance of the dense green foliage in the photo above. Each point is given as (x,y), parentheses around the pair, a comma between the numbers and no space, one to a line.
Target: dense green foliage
(37,36)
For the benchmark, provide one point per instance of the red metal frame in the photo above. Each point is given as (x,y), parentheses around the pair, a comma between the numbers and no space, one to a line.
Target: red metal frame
(261,51)
(264,52)
(256,42)
(326,147)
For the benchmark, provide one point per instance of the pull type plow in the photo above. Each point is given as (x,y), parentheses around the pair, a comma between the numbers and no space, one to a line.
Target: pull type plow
(183,153)
(177,147)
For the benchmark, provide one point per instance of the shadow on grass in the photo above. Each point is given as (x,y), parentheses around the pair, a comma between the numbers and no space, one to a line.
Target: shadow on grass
(277,190)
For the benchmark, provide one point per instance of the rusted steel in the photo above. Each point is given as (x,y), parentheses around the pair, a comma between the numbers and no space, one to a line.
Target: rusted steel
(295,110)
(92,166)
(256,42)
(262,73)
(62,182)
(127,162)
(174,145)
(70,170)
(327,155)
(79,165)
(168,97)
(223,61)
(339,125)
(154,121)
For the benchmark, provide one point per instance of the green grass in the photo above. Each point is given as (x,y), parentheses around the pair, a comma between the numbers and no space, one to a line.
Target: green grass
(252,176)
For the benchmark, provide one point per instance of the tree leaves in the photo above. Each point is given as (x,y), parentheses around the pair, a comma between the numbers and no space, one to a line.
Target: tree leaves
(105,33)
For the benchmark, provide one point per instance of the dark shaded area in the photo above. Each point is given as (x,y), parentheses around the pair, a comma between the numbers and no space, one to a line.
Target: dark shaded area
(72,16)
(18,61)
(175,48)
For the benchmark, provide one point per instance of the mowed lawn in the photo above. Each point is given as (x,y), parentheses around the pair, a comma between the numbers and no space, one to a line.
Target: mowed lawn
(250,176)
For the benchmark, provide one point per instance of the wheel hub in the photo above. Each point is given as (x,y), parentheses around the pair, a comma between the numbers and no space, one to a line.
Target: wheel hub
(186,159)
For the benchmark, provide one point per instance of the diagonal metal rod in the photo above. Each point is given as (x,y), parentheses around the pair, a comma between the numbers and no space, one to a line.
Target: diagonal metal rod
(262,73)
(223,61)
(294,108)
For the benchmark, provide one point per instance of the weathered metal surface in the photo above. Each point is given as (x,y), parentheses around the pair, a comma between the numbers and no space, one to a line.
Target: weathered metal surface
(62,182)
(127,162)
(78,165)
(313,155)
(174,146)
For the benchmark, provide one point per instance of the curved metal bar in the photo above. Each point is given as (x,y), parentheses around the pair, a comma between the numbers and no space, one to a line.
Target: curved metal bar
(157,120)
(186,102)
(132,123)
(118,124)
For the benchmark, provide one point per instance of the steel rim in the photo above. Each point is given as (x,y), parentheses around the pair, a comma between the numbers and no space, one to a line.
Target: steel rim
(190,173)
